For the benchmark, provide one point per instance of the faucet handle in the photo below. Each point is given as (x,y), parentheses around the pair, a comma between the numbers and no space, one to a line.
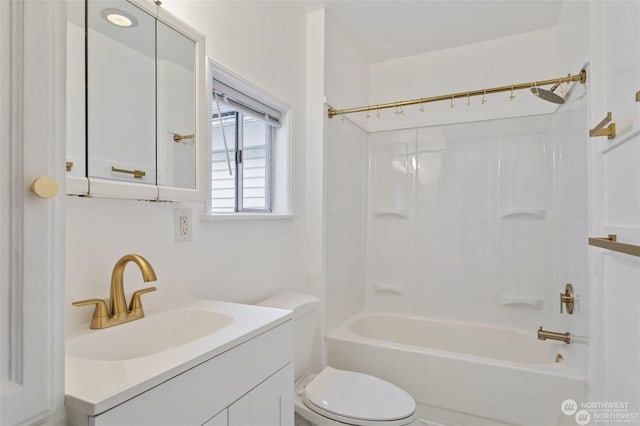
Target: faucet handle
(100,314)
(136,302)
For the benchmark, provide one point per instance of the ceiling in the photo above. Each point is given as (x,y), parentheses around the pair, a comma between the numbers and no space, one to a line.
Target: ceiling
(388,29)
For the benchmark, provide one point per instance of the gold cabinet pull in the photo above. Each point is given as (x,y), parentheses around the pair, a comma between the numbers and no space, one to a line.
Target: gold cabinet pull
(178,138)
(138,174)
(69,165)
(600,130)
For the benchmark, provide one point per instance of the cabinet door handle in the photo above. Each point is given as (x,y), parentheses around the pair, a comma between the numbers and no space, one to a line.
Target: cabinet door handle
(44,187)
(138,174)
(178,138)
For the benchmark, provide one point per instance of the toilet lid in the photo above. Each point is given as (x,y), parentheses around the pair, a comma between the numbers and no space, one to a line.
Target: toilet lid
(347,394)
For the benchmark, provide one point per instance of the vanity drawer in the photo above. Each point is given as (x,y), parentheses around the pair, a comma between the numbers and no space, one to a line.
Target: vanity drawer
(193,397)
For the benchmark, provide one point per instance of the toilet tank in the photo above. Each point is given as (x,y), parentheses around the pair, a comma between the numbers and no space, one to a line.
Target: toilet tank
(306,329)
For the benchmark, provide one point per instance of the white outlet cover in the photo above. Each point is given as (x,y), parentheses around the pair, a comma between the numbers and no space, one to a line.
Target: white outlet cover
(182,225)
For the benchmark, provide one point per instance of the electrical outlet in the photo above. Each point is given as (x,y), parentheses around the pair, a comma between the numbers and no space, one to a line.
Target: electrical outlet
(182,221)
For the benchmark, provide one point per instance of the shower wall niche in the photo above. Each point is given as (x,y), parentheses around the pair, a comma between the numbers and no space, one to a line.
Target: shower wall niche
(459,221)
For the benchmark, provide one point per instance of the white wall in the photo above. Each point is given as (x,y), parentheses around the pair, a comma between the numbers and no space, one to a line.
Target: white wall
(346,78)
(517,59)
(570,227)
(345,164)
(269,51)
(571,173)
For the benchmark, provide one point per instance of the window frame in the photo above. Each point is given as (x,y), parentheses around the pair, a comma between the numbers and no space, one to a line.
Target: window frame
(227,85)
(239,159)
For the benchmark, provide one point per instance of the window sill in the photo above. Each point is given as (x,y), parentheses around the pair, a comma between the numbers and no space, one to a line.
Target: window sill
(245,216)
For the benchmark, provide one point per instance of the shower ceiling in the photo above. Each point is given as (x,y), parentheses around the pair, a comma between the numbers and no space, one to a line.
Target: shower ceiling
(385,30)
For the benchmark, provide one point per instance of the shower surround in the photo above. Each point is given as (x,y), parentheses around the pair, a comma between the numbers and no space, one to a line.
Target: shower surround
(460,221)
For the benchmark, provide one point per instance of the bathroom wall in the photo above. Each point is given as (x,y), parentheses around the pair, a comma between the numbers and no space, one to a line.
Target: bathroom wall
(571,190)
(346,79)
(517,59)
(345,164)
(336,160)
(234,260)
(570,226)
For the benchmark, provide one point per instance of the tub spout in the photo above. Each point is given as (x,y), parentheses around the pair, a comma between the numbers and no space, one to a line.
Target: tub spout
(554,335)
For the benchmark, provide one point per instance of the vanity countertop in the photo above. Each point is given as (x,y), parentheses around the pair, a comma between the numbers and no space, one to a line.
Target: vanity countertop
(93,386)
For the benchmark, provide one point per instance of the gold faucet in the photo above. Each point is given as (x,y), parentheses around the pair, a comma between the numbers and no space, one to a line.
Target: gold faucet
(118,313)
(554,335)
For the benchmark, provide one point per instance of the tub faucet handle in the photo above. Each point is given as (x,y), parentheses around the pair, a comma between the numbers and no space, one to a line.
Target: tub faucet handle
(568,299)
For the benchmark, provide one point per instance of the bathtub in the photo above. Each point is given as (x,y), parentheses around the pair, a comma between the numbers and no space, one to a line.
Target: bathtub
(461,373)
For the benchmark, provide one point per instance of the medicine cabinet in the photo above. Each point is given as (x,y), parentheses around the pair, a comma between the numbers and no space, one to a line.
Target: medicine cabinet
(135,98)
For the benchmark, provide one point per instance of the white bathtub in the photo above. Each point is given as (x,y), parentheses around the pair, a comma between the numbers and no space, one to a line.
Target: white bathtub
(461,373)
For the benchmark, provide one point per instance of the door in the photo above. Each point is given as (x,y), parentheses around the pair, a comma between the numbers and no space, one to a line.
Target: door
(268,404)
(614,190)
(32,131)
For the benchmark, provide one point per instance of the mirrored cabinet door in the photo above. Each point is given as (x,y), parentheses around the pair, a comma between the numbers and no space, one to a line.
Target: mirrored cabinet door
(135,89)
(176,108)
(121,95)
(76,138)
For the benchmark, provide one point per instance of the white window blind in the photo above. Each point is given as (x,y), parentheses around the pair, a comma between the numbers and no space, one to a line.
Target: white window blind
(231,92)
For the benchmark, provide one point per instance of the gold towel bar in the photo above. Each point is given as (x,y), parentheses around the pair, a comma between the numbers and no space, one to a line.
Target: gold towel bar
(611,243)
(600,130)
(138,174)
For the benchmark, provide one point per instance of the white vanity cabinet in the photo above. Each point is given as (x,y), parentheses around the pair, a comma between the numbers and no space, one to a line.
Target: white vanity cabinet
(250,384)
(268,404)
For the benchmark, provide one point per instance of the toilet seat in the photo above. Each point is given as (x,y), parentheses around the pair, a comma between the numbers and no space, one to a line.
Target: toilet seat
(358,399)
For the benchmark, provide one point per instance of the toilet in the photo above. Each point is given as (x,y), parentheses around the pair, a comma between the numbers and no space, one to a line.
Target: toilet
(336,397)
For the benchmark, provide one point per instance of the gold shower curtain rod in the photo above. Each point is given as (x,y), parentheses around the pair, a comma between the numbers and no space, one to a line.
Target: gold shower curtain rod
(582,77)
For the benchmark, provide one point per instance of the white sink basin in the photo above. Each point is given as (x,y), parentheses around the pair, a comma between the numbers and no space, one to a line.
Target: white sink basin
(147,336)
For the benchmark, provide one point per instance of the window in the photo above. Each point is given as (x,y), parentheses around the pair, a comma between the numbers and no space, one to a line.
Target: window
(243,131)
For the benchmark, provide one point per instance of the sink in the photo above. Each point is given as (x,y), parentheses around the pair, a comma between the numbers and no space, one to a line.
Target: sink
(147,336)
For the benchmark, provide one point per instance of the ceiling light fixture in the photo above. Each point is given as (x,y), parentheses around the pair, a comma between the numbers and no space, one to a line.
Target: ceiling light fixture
(119,18)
